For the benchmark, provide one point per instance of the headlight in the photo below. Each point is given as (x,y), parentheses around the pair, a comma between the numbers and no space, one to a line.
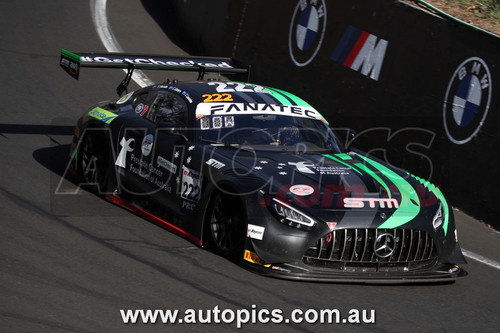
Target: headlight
(291,216)
(437,221)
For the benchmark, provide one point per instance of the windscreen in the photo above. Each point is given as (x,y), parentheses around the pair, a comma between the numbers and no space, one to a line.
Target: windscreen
(264,131)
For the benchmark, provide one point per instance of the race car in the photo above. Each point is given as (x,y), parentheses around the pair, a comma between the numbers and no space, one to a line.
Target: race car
(258,175)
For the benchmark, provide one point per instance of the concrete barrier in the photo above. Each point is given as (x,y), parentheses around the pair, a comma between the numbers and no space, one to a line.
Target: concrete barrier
(420,89)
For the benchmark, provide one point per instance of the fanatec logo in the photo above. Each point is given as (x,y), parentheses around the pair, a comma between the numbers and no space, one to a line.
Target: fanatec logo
(384,245)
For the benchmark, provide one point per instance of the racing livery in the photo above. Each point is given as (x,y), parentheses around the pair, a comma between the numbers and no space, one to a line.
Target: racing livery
(257,174)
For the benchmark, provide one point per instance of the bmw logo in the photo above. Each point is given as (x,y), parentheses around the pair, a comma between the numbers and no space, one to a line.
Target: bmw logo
(307,30)
(467,100)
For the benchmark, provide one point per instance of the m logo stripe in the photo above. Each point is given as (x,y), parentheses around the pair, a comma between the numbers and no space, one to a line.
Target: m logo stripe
(361,51)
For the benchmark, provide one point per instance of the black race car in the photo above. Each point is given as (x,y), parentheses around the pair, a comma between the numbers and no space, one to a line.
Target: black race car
(258,174)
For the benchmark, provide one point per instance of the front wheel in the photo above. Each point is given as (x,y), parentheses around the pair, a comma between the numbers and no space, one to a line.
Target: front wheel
(228,226)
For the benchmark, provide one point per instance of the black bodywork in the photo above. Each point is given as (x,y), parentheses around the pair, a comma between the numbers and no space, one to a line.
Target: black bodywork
(281,208)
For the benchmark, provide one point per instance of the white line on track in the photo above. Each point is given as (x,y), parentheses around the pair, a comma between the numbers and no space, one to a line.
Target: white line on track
(101,24)
(98,11)
(481,259)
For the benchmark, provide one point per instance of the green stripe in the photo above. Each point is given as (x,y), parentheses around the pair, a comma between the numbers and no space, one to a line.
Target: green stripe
(374,175)
(284,95)
(437,192)
(344,156)
(71,55)
(410,203)
(279,97)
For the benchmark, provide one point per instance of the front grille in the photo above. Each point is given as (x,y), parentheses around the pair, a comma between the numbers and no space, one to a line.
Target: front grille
(372,250)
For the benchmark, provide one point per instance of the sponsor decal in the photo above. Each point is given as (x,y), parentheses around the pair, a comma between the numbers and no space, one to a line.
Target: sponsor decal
(175,89)
(124,98)
(166,164)
(307,30)
(254,258)
(70,64)
(301,190)
(215,98)
(361,51)
(215,164)
(331,225)
(155,61)
(255,231)
(311,168)
(103,115)
(231,87)
(127,147)
(141,109)
(210,109)
(148,172)
(467,100)
(188,205)
(216,122)
(372,202)
(147,145)
(191,184)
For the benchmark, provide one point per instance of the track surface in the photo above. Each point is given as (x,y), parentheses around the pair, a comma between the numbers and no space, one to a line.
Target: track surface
(71,262)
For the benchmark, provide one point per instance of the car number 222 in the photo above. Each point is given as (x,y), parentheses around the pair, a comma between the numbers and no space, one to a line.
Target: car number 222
(191,184)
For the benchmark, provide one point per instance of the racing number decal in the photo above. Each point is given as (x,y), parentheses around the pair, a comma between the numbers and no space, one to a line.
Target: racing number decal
(191,184)
(217,98)
(229,87)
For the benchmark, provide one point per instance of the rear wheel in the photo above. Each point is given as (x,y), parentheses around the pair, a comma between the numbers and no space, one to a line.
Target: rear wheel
(94,161)
(228,226)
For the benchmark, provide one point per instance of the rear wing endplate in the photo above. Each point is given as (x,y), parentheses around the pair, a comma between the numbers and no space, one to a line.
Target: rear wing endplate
(72,62)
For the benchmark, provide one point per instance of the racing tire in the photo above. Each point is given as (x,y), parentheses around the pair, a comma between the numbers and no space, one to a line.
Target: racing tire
(94,162)
(227,226)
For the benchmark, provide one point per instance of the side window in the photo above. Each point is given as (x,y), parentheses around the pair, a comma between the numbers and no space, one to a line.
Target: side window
(170,108)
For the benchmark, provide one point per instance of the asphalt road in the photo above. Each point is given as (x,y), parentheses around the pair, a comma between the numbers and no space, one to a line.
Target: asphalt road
(70,262)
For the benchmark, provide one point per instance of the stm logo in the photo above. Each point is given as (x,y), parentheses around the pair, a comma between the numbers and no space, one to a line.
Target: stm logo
(361,51)
(307,30)
(467,100)
(372,202)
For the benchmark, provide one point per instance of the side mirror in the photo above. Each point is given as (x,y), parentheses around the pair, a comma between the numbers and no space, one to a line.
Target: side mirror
(345,135)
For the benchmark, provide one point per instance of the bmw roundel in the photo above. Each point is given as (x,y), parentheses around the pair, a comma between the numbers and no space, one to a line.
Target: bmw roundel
(307,29)
(467,100)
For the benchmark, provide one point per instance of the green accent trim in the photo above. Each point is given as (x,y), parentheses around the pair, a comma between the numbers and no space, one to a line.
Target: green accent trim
(71,55)
(342,162)
(437,192)
(103,115)
(344,156)
(374,175)
(407,210)
(284,97)
(297,100)
(279,97)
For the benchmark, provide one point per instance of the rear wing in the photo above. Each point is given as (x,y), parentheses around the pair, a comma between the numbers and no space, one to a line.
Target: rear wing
(72,62)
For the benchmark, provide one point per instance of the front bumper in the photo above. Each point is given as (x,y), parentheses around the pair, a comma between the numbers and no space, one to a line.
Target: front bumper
(442,273)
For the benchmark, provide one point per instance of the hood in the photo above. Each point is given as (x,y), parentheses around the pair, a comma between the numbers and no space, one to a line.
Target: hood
(346,183)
